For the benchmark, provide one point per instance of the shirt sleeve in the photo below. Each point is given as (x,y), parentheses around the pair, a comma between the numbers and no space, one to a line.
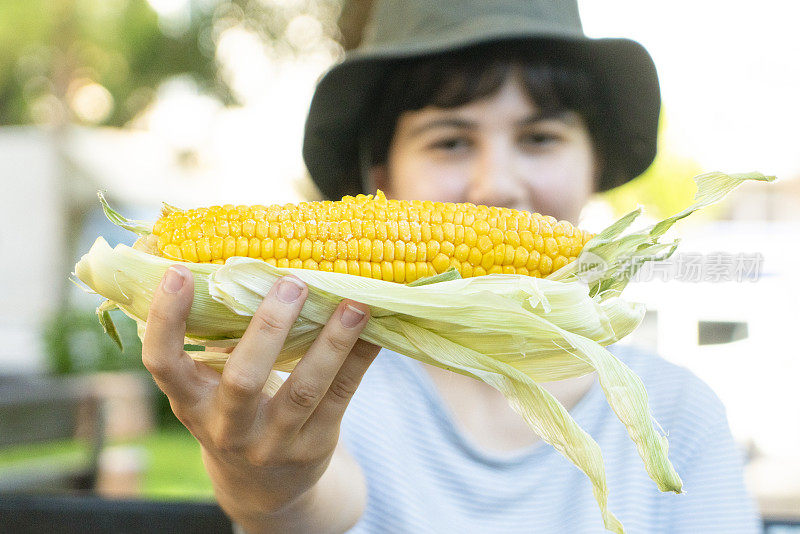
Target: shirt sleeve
(715,498)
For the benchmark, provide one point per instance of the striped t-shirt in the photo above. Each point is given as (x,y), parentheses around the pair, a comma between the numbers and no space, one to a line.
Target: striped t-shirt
(426,476)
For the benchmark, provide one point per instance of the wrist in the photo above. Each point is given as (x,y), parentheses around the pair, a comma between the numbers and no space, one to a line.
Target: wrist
(264,521)
(244,498)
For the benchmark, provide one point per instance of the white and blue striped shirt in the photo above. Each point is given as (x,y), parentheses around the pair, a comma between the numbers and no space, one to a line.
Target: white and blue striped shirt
(425,476)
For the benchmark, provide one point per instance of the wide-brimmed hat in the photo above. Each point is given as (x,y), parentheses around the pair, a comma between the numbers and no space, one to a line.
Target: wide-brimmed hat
(408,29)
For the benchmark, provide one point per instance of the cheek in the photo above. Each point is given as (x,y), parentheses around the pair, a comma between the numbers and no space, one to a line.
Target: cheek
(559,186)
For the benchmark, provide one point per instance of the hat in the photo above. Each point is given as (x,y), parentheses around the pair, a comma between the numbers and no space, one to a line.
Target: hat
(410,29)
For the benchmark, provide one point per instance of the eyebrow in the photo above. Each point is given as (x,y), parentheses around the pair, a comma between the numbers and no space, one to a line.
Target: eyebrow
(566,116)
(447,122)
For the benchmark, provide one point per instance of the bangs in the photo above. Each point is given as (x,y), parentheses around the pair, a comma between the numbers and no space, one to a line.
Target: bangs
(453,80)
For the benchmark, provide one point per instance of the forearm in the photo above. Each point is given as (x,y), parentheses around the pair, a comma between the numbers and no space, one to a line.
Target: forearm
(333,505)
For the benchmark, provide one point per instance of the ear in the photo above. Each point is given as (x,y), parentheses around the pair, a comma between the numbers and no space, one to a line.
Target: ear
(379,179)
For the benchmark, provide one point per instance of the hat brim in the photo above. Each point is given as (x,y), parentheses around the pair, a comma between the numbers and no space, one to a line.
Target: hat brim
(624,71)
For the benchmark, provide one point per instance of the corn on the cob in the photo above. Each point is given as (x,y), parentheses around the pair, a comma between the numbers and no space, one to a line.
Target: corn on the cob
(366,235)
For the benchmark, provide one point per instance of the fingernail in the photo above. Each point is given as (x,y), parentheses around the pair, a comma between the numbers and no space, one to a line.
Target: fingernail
(289,289)
(351,316)
(173,281)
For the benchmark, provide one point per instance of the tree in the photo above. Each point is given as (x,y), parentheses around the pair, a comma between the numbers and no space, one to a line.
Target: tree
(96,61)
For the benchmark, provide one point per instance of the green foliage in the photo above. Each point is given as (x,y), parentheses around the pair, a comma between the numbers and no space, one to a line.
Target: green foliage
(49,49)
(75,343)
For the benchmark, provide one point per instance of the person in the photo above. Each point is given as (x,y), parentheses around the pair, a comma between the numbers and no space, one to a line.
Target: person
(502,103)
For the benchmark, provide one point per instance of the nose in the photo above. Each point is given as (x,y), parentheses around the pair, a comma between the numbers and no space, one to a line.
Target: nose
(494,176)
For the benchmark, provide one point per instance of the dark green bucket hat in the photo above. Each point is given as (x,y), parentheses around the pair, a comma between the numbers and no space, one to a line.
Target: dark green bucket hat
(409,29)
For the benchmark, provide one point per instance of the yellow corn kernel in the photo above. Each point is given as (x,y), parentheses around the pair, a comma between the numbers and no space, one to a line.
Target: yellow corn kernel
(386,270)
(441,262)
(254,247)
(249,228)
(559,262)
(316,251)
(399,271)
(520,256)
(533,260)
(188,251)
(293,249)
(411,252)
(377,251)
(216,247)
(281,248)
(267,249)
(545,265)
(461,252)
(474,257)
(388,250)
(432,249)
(203,250)
(340,266)
(353,268)
(411,272)
(228,247)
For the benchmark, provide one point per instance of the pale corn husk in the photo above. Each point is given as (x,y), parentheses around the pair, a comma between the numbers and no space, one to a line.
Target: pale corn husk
(512,332)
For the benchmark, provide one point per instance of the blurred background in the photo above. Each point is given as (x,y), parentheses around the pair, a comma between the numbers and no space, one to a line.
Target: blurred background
(199,102)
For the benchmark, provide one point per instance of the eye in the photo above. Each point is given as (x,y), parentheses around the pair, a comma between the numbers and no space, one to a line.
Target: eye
(540,139)
(451,144)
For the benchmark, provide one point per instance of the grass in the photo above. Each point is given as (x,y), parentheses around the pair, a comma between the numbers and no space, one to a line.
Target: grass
(173,466)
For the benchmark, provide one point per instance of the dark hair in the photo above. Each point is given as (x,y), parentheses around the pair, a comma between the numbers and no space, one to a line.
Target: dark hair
(556,82)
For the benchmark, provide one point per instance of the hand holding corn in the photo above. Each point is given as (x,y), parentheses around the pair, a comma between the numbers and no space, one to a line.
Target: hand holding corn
(269,456)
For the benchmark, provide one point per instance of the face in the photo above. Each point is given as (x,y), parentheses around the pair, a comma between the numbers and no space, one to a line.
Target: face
(498,151)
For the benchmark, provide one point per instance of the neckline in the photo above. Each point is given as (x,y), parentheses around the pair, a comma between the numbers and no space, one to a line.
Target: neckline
(539,450)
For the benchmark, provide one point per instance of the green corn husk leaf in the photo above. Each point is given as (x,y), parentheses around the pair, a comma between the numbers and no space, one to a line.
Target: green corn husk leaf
(512,332)
(137,227)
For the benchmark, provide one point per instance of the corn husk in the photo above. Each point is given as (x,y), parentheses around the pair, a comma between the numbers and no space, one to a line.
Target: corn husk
(512,332)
